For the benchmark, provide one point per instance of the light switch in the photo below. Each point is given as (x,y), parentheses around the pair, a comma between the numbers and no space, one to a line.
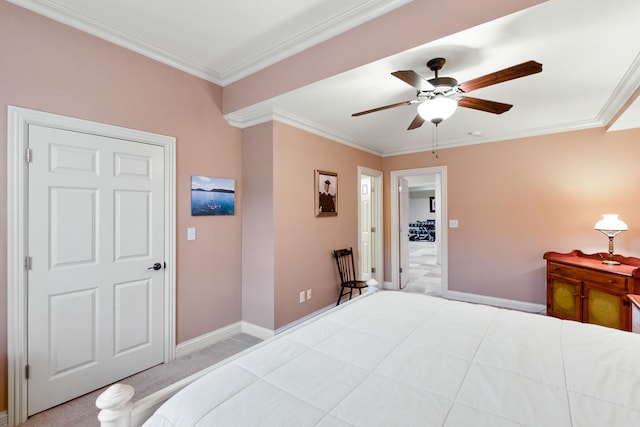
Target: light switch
(453,223)
(191,233)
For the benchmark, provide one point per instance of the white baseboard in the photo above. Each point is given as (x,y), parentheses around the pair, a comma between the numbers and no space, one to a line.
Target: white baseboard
(256,331)
(483,299)
(495,302)
(198,343)
(302,319)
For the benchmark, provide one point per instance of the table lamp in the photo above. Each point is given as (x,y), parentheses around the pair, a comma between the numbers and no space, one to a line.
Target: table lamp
(610,226)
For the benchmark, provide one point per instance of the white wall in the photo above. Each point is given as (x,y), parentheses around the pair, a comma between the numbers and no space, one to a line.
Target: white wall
(419,205)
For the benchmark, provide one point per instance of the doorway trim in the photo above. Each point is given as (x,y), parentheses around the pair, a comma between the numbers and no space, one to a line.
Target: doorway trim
(441,216)
(18,121)
(377,222)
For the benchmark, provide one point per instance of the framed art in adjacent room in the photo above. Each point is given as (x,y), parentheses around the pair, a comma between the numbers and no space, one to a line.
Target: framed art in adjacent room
(212,196)
(326,197)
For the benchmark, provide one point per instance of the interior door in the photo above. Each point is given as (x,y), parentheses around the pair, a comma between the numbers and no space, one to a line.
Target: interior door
(403,193)
(365,228)
(96,226)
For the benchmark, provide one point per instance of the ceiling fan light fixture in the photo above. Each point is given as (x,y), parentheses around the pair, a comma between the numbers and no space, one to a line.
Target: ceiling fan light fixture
(437,109)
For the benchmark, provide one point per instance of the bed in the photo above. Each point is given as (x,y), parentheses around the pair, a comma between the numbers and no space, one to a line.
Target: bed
(391,359)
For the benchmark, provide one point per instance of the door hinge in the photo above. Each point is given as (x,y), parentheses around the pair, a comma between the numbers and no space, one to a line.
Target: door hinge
(373,269)
(27,155)
(27,371)
(400,269)
(373,229)
(27,263)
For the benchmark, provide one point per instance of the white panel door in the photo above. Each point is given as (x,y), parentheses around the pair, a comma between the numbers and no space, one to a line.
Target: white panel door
(96,224)
(403,188)
(365,228)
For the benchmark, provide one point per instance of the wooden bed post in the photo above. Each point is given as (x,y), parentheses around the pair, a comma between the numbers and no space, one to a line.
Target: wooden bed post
(115,404)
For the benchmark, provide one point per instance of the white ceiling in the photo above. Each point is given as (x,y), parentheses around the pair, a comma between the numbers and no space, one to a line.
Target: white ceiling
(590,53)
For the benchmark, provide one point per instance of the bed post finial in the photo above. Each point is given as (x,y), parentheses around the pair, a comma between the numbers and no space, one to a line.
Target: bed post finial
(115,404)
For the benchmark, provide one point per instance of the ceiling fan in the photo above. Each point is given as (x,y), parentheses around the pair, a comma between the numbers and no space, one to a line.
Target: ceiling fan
(438,98)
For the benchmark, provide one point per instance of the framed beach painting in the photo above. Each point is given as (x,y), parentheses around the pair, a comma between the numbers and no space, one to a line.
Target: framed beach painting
(212,196)
(326,193)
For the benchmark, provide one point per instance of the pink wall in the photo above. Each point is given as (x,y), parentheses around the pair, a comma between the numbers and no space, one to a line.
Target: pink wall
(299,255)
(517,199)
(258,276)
(50,67)
(285,248)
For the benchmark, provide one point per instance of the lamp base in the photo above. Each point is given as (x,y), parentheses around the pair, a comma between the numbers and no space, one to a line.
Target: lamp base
(606,261)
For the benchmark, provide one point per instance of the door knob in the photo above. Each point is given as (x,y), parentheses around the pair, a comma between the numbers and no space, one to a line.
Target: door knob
(157,266)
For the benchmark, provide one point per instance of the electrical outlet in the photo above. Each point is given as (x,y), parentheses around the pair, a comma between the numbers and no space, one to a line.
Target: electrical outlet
(308,293)
(301,297)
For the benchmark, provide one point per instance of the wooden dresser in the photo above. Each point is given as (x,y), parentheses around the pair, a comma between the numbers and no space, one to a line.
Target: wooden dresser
(580,287)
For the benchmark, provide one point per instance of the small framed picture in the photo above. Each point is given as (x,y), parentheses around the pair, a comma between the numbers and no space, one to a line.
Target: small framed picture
(326,193)
(212,196)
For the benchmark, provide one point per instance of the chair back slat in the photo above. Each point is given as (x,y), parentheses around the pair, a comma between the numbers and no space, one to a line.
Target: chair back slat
(346,264)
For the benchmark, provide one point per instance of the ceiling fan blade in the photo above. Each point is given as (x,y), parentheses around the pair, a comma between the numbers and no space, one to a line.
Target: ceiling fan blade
(484,105)
(414,79)
(373,110)
(515,72)
(416,123)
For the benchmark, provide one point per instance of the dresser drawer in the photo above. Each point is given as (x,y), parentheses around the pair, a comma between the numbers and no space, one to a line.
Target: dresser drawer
(595,277)
(564,270)
(608,280)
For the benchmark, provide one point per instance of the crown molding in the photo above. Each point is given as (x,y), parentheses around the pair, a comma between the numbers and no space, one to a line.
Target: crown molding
(88,25)
(267,115)
(619,99)
(353,17)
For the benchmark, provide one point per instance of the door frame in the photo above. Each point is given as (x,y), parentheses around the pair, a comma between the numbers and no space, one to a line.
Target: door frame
(18,121)
(441,228)
(376,219)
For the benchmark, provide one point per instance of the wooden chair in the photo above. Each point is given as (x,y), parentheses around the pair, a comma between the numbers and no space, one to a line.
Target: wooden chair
(347,270)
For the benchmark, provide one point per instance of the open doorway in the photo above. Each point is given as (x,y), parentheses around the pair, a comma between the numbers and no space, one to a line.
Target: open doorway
(424,273)
(370,255)
(418,235)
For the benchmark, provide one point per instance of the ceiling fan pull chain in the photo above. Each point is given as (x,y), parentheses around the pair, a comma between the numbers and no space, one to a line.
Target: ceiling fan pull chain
(435,140)
(434,135)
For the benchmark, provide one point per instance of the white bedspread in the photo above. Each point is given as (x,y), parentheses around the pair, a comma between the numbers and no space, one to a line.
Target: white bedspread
(394,359)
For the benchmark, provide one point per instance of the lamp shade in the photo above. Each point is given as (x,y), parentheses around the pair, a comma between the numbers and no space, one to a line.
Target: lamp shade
(610,222)
(437,109)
